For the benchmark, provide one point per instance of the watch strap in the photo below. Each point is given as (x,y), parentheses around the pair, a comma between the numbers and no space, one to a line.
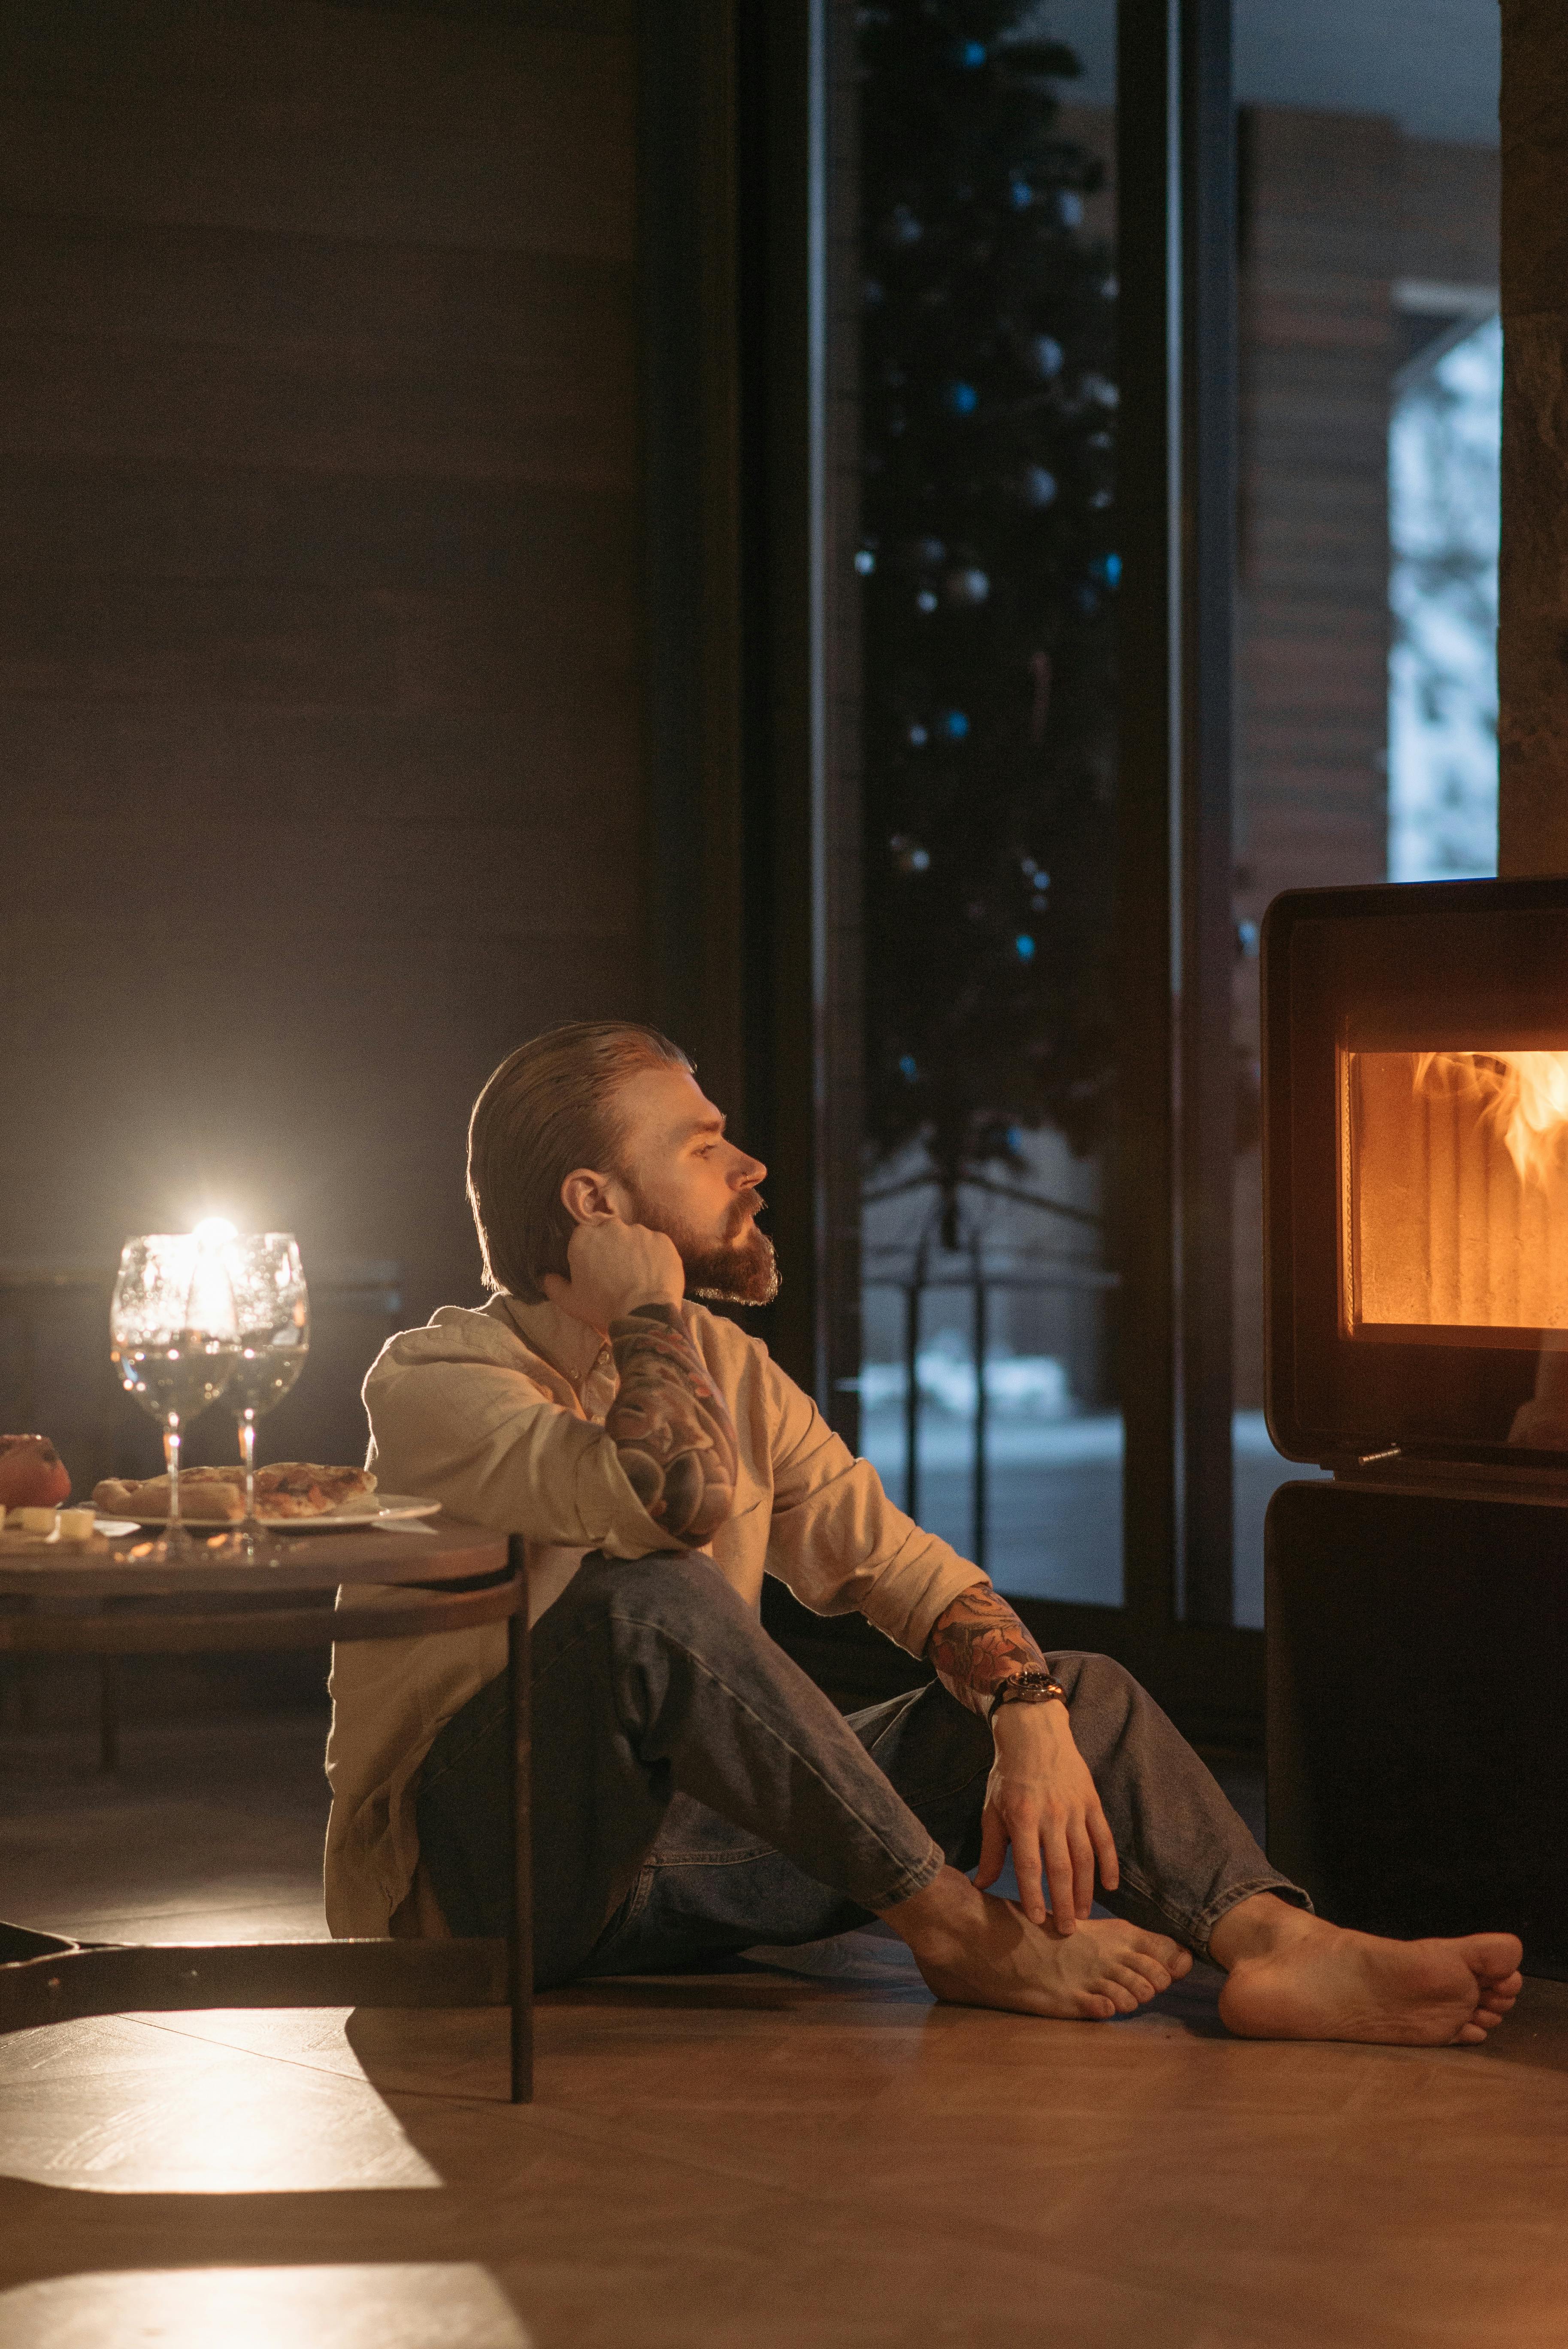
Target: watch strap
(1030,1687)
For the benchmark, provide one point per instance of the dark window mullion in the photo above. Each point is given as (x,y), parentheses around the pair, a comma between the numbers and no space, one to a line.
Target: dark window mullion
(1148,1330)
(1206,1089)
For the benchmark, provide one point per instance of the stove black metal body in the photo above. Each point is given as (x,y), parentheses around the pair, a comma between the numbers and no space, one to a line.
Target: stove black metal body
(1416,1189)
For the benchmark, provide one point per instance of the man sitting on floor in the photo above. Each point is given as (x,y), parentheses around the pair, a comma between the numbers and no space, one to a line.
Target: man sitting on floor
(694,1792)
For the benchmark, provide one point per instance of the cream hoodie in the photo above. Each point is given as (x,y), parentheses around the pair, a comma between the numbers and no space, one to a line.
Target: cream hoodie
(498,1415)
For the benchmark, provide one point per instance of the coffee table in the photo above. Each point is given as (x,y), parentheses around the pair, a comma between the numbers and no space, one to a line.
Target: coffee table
(451,1577)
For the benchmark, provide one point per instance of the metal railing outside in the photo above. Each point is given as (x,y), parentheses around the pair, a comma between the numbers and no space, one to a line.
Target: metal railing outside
(917,1274)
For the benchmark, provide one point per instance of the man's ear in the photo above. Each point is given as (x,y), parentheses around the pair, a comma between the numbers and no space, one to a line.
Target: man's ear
(585,1196)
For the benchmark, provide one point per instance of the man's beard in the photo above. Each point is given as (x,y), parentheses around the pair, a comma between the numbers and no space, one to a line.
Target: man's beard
(741,1268)
(741,1271)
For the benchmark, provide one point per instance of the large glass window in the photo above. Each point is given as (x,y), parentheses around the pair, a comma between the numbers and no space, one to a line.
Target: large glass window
(1366,461)
(1445,448)
(989,564)
(1369,426)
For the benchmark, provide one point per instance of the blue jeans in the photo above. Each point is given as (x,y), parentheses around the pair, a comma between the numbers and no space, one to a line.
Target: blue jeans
(694,1793)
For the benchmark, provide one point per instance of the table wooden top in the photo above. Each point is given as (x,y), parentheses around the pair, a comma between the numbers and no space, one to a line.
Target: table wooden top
(433,1549)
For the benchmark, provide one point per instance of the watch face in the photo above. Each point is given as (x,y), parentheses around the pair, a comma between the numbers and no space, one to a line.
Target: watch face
(1023,1687)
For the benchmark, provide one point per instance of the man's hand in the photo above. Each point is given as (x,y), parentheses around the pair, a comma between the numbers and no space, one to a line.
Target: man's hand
(616,1268)
(1041,1800)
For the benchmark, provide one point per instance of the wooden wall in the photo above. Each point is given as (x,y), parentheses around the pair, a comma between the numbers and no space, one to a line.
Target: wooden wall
(1321,194)
(321,723)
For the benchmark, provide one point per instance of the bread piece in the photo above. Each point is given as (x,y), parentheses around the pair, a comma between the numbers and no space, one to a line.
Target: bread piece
(206,1497)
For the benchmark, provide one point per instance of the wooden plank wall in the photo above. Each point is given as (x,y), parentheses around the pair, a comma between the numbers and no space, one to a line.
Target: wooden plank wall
(1318,352)
(320,705)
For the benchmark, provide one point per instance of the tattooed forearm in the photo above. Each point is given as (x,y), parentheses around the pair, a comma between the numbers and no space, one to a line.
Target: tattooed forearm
(979,1643)
(670,1425)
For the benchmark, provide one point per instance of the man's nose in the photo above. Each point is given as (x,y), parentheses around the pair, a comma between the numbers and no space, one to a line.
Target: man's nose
(751,1172)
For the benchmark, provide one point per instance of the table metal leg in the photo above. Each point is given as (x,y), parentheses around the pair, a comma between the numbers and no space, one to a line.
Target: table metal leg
(46,1979)
(519,1944)
(108,1713)
(22,1672)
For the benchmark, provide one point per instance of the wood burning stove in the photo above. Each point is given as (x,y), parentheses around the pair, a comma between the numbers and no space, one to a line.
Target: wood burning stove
(1416,1090)
(1416,1183)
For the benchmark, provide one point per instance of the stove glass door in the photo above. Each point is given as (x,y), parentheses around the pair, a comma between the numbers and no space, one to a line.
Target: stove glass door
(1454,1222)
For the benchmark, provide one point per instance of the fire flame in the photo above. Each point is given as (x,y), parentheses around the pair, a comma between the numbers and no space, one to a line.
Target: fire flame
(1524,1094)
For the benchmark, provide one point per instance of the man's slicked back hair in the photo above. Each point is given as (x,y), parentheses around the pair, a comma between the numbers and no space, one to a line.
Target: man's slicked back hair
(549,1107)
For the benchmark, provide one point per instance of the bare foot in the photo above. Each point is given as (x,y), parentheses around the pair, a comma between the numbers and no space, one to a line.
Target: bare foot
(975,1950)
(1292,1976)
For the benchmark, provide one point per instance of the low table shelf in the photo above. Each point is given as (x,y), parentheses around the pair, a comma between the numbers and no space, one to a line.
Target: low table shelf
(451,1577)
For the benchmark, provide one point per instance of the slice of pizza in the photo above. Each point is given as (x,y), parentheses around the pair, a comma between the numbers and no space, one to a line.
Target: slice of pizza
(305,1488)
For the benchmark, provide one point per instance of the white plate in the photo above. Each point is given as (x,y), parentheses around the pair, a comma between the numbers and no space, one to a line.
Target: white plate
(368,1511)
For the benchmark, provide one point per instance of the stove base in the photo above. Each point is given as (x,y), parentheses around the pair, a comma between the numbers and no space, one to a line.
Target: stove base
(1418,1711)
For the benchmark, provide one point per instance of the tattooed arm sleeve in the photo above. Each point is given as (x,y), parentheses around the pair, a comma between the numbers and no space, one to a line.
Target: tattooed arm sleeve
(671,1427)
(977,1643)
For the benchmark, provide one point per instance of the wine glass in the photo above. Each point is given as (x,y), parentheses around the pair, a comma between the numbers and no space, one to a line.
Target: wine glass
(174,1340)
(272,1308)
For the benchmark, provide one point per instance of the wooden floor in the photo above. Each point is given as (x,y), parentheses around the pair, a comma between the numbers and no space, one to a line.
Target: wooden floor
(765,2159)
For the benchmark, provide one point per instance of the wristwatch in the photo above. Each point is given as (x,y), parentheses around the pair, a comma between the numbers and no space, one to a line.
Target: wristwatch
(1031,1687)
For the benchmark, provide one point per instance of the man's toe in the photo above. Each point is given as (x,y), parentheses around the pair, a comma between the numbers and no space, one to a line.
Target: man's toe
(1130,1978)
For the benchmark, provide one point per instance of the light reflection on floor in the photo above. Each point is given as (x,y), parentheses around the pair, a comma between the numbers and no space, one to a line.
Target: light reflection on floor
(160,2105)
(422,2306)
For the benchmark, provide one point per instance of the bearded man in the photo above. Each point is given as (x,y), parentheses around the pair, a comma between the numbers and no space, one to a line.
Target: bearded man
(694,1793)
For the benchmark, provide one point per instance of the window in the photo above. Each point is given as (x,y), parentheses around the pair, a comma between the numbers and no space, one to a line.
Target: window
(989,564)
(1368,441)
(1445,441)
